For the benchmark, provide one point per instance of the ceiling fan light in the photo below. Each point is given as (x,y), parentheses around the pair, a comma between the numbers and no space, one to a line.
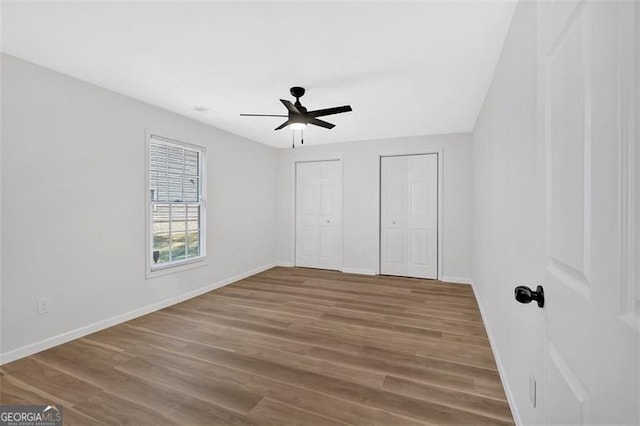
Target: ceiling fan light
(298,126)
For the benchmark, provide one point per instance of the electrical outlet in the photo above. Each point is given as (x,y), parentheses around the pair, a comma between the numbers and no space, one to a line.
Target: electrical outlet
(532,391)
(44,305)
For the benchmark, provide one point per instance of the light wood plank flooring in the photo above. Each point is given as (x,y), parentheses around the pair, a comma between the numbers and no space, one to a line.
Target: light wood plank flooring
(287,346)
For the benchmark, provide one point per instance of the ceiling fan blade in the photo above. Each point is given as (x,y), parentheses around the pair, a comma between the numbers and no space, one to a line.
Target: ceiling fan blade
(283,125)
(321,123)
(290,106)
(263,115)
(329,111)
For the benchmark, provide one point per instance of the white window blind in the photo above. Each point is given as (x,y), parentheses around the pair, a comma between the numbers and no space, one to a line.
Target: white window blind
(175,196)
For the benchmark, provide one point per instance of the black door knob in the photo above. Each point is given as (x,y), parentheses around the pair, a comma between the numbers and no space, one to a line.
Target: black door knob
(525,295)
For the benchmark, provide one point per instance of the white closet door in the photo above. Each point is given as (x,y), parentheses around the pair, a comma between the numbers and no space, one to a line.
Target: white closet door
(319,215)
(409,216)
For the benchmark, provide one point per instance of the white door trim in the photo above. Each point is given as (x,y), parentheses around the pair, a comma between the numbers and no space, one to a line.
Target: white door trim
(439,152)
(294,161)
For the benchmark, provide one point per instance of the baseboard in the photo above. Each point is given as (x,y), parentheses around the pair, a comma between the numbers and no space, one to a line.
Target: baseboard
(68,336)
(227,281)
(456,280)
(358,271)
(496,355)
(81,332)
(345,270)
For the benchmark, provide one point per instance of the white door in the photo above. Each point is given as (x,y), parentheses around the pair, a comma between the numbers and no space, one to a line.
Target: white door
(591,357)
(409,216)
(319,214)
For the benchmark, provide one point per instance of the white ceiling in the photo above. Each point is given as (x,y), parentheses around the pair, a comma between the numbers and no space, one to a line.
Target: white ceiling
(406,68)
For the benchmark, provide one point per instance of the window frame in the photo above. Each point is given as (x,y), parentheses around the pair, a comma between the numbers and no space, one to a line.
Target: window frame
(155,270)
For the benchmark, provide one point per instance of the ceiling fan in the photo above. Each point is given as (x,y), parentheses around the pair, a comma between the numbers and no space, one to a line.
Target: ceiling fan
(298,117)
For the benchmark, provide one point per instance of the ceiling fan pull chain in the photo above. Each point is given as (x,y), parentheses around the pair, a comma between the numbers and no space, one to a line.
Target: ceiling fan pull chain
(301,136)
(293,140)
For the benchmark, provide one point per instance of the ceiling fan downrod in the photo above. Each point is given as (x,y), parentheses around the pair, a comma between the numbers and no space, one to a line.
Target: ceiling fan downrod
(297,92)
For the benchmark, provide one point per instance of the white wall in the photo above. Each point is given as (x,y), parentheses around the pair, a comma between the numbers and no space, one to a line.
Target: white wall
(361,162)
(508,218)
(73,204)
(1,143)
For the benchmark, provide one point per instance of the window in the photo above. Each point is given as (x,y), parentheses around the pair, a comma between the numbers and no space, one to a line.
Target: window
(176,206)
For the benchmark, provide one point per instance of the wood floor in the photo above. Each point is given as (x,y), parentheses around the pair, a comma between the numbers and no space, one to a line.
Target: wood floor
(287,346)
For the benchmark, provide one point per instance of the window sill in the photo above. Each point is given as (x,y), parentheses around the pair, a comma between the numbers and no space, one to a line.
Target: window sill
(172,268)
